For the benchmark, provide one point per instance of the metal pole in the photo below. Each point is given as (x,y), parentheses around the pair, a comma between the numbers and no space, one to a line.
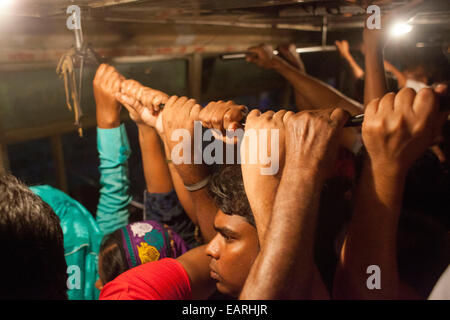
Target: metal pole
(324,31)
(78,33)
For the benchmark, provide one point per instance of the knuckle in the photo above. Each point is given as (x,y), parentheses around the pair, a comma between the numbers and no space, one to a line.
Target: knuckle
(374,126)
(215,120)
(307,116)
(418,130)
(388,97)
(253,113)
(426,95)
(426,92)
(202,118)
(227,117)
(373,104)
(407,92)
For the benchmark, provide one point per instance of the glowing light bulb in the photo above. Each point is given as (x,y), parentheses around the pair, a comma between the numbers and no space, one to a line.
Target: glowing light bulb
(400,29)
(5,3)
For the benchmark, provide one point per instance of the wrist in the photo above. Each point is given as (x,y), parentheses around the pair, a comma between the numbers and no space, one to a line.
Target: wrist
(147,136)
(107,120)
(145,129)
(198,185)
(387,169)
(108,123)
(191,174)
(277,63)
(384,185)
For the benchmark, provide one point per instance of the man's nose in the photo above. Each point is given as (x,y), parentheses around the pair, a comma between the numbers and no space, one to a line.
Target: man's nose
(212,249)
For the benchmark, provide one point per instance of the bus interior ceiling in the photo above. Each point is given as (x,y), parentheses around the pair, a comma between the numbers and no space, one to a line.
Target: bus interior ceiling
(171,45)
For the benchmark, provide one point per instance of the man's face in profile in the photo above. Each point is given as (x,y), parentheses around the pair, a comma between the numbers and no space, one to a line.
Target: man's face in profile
(233,251)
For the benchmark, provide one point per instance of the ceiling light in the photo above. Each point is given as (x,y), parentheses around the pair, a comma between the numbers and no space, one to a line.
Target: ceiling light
(400,29)
(5,3)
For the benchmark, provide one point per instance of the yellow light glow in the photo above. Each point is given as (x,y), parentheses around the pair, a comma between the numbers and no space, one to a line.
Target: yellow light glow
(400,29)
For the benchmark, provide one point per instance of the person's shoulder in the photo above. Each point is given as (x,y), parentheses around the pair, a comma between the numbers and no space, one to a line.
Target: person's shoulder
(164,279)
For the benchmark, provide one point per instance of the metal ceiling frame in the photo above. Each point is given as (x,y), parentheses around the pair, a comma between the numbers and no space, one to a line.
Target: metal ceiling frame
(291,14)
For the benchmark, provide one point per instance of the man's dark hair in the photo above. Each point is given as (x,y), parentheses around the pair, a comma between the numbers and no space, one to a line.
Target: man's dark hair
(227,189)
(33,264)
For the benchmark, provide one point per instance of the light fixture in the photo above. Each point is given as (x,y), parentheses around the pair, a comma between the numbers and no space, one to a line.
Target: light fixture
(5,3)
(400,29)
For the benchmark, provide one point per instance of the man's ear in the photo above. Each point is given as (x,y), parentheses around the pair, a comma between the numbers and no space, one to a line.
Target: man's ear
(99,284)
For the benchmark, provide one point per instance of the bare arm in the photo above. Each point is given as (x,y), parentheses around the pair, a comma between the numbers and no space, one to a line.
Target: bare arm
(357,71)
(183,195)
(162,177)
(396,131)
(319,94)
(291,252)
(262,188)
(375,79)
(401,78)
(176,115)
(344,50)
(375,41)
(289,53)
(156,171)
(287,252)
(160,174)
(372,236)
(182,113)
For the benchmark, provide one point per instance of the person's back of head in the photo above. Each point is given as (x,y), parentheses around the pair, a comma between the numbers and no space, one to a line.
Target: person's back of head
(31,239)
(135,244)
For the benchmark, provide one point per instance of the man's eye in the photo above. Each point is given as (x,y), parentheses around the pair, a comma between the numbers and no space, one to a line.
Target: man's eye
(227,238)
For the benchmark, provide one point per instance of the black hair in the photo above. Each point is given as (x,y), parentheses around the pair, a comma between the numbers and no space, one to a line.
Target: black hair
(423,251)
(227,189)
(427,189)
(114,261)
(32,246)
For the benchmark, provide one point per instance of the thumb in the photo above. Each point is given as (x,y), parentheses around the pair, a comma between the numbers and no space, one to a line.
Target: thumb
(340,117)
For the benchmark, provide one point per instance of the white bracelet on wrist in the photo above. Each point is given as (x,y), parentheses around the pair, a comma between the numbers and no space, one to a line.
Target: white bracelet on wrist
(197,186)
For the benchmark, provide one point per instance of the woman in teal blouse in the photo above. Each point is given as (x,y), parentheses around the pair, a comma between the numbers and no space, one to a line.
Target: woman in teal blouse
(83,234)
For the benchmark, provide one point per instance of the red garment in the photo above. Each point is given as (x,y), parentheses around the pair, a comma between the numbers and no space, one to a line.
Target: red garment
(164,279)
(345,165)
